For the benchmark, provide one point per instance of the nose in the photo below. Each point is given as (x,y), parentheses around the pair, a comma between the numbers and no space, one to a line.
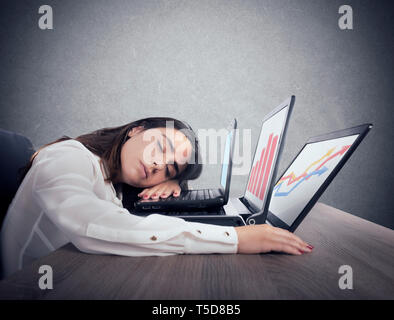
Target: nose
(158,166)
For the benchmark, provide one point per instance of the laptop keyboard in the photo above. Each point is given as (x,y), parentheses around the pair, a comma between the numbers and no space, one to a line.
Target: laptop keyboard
(219,211)
(202,194)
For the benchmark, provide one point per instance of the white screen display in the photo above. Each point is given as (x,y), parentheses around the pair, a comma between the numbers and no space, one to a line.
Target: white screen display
(265,158)
(305,176)
(226,160)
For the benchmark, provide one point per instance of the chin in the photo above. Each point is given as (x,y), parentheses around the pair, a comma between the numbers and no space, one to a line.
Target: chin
(142,183)
(134,183)
(139,185)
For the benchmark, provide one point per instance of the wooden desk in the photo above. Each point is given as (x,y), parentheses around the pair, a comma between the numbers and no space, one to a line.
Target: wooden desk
(339,239)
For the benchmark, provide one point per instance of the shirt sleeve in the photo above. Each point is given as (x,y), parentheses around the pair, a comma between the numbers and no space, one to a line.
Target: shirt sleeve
(65,186)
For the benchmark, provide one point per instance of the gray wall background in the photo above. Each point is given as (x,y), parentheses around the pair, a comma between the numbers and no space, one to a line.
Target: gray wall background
(110,62)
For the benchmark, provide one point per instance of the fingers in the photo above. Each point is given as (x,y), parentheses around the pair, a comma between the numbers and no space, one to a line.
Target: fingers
(290,246)
(146,193)
(153,193)
(285,241)
(287,248)
(294,240)
(159,192)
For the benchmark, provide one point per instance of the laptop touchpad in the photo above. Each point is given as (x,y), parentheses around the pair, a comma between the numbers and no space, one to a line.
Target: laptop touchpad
(235,207)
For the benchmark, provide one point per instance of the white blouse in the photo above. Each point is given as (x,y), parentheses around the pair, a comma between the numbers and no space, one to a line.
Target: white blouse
(64,198)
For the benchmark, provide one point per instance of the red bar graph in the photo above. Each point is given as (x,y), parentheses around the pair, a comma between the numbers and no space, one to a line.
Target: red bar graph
(257,169)
(261,170)
(269,167)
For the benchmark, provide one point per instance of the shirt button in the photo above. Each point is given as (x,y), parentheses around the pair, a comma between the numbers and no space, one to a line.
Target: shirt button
(227,234)
(199,231)
(153,238)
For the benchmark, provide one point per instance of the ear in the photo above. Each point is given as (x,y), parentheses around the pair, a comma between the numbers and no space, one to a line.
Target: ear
(135,130)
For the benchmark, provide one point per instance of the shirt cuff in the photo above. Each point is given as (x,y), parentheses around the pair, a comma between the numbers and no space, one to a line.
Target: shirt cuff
(206,238)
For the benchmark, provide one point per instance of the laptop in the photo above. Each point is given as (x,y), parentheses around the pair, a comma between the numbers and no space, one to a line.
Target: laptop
(309,174)
(267,153)
(198,199)
(253,205)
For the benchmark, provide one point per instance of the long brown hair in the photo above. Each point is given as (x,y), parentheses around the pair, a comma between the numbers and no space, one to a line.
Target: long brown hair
(107,144)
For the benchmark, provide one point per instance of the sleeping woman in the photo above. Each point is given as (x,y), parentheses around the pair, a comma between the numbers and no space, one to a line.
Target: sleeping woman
(72,192)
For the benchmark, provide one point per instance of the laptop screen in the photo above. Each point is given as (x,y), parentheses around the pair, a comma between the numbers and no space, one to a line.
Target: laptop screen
(306,175)
(265,157)
(226,160)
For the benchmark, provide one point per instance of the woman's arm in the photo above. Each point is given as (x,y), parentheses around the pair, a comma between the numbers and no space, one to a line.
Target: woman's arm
(252,239)
(66,186)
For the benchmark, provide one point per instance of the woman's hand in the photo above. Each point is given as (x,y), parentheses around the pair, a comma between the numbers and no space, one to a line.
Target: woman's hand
(265,238)
(162,190)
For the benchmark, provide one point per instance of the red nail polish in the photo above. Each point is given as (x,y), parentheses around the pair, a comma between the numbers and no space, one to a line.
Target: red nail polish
(300,251)
(310,247)
(145,196)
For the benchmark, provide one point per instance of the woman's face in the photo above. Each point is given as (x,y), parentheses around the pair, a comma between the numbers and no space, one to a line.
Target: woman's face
(152,156)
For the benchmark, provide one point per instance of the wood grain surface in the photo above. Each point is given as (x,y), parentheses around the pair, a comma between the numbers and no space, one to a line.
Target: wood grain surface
(338,237)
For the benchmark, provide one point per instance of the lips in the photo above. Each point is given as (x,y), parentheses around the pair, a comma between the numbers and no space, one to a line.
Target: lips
(144,172)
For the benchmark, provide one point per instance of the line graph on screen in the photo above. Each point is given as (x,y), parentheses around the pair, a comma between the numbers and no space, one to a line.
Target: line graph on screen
(294,181)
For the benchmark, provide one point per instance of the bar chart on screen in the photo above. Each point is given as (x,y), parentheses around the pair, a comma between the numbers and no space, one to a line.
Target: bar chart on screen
(262,168)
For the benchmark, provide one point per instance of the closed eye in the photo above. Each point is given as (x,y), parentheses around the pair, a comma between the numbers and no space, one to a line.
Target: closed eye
(167,172)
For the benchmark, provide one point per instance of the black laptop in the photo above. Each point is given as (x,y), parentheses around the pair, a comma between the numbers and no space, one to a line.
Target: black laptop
(198,199)
(309,174)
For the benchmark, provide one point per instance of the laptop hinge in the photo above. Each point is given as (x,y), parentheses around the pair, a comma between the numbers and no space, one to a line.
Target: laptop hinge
(258,217)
